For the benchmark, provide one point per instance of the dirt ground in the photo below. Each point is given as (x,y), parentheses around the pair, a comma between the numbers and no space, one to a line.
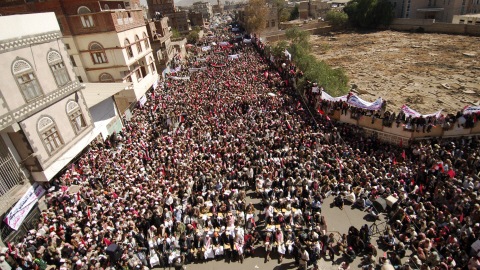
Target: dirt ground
(426,71)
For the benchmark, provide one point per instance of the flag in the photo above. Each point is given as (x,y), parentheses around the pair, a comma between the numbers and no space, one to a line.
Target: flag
(394,160)
(321,112)
(89,214)
(451,173)
(460,218)
(328,118)
(340,164)
(404,155)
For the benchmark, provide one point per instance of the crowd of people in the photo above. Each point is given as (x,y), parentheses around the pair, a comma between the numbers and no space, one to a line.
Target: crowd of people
(171,187)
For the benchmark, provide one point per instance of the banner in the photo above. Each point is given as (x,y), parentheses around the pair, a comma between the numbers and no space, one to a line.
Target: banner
(411,112)
(233,56)
(18,213)
(247,40)
(327,97)
(218,65)
(360,103)
(224,43)
(206,48)
(180,78)
(471,109)
(196,69)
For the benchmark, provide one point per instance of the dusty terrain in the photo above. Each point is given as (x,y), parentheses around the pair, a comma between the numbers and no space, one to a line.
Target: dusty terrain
(426,71)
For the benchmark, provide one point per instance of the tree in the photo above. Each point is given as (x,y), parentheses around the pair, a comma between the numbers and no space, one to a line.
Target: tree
(193,37)
(256,13)
(294,14)
(337,18)
(175,33)
(369,13)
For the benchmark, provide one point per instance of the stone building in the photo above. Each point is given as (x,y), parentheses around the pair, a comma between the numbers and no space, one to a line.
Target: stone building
(44,117)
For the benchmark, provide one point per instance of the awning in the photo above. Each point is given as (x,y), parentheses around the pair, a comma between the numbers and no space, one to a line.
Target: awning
(95,93)
(430,9)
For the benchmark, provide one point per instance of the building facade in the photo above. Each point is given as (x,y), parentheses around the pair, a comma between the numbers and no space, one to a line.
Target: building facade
(160,38)
(107,42)
(203,7)
(440,10)
(160,7)
(43,114)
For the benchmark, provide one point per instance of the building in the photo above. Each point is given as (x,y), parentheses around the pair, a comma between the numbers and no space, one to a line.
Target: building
(218,8)
(467,19)
(196,18)
(160,39)
(440,10)
(107,42)
(203,7)
(179,21)
(163,7)
(44,118)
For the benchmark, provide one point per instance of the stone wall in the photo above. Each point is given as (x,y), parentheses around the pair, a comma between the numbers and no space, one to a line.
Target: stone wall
(430,26)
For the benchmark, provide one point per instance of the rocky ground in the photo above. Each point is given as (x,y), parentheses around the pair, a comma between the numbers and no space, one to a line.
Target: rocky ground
(426,71)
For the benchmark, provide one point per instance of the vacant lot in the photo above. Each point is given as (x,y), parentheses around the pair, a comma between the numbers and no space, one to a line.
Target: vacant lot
(426,71)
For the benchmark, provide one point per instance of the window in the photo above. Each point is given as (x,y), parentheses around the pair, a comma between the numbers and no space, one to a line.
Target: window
(26,79)
(98,53)
(67,46)
(145,39)
(72,59)
(80,78)
(273,23)
(106,7)
(106,77)
(83,10)
(138,73)
(49,134)
(76,117)
(138,44)
(128,48)
(152,65)
(55,61)
(87,21)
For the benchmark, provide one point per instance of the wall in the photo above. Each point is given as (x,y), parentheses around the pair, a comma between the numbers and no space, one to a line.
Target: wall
(430,26)
(398,135)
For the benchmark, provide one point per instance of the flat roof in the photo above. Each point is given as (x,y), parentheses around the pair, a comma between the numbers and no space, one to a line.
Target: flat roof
(95,93)
(24,25)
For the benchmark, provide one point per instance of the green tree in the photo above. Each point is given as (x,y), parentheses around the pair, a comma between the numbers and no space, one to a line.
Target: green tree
(294,14)
(193,37)
(369,13)
(337,18)
(175,33)
(256,13)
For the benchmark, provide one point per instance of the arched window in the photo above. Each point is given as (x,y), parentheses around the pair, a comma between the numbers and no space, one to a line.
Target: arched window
(128,48)
(138,44)
(83,10)
(106,77)
(58,68)
(47,129)
(120,6)
(26,79)
(98,53)
(106,7)
(87,20)
(145,39)
(152,65)
(76,116)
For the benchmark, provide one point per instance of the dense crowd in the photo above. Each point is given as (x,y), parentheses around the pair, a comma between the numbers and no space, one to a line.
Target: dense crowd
(171,187)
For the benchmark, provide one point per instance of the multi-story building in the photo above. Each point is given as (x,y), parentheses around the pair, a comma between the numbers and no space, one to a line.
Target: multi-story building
(218,8)
(179,21)
(440,10)
(107,42)
(196,18)
(203,7)
(160,7)
(160,39)
(44,118)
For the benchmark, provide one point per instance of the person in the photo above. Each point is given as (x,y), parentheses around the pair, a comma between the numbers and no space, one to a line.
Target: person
(344,266)
(350,254)
(280,243)
(304,258)
(268,245)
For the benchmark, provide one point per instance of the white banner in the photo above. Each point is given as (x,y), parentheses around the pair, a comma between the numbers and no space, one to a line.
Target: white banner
(180,78)
(18,213)
(326,96)
(471,109)
(360,103)
(288,55)
(223,43)
(411,112)
(233,56)
(196,69)
(247,40)
(206,48)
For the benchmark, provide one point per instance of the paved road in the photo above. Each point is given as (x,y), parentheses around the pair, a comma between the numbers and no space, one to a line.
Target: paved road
(337,221)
